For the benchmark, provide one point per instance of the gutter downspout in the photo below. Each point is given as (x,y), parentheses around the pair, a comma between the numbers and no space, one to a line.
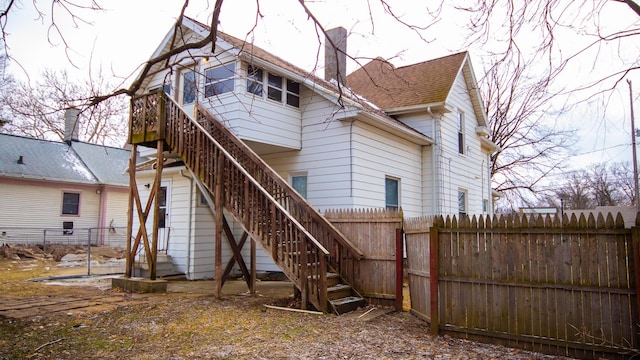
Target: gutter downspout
(351,160)
(190,216)
(101,215)
(435,162)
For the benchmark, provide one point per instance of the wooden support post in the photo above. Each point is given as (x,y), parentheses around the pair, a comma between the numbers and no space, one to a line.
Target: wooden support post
(399,269)
(252,287)
(219,215)
(132,184)
(322,286)
(156,210)
(433,276)
(304,278)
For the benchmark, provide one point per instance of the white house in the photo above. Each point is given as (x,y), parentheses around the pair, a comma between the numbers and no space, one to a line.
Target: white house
(413,137)
(65,187)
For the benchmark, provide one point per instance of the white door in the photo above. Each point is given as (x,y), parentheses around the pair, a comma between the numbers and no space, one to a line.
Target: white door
(188,90)
(164,225)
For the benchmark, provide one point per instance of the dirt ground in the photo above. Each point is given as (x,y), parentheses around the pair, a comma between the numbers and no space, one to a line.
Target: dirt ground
(64,316)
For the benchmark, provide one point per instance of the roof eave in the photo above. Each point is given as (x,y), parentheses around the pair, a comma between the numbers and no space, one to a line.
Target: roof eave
(396,129)
(439,107)
(489,145)
(59,180)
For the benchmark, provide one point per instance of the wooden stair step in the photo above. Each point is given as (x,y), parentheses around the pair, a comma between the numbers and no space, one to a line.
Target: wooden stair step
(347,304)
(338,291)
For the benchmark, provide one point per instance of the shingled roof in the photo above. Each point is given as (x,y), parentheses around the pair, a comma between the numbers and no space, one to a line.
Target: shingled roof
(250,51)
(424,83)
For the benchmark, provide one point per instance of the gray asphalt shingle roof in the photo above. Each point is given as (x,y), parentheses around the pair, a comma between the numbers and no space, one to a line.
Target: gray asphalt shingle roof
(57,161)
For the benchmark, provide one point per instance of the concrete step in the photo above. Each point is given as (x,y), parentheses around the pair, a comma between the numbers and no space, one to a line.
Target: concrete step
(164,266)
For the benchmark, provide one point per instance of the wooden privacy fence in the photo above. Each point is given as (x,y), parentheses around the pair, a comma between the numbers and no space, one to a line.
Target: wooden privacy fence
(377,233)
(533,282)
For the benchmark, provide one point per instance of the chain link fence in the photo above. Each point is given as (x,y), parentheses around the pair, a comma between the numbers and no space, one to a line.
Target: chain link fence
(48,239)
(109,236)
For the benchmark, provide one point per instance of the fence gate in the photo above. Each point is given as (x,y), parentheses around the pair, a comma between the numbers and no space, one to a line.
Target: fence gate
(377,233)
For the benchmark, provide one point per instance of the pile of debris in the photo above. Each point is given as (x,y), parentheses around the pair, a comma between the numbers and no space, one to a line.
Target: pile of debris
(57,252)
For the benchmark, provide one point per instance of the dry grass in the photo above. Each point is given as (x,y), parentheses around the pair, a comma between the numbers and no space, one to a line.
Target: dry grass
(194,326)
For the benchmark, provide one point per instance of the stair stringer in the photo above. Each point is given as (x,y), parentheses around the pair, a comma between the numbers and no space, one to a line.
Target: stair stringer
(257,197)
(264,246)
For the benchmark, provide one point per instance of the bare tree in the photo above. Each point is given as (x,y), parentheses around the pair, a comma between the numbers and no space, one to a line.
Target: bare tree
(575,193)
(622,175)
(600,185)
(564,35)
(522,125)
(38,110)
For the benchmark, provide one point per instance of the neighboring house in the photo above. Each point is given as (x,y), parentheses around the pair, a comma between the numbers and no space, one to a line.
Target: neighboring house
(413,137)
(67,185)
(628,213)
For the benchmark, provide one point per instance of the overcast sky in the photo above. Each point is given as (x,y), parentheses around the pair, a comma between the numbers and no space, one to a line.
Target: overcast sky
(123,36)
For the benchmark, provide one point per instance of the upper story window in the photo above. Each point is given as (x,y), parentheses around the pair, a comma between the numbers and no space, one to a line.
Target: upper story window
(166,88)
(392,193)
(274,90)
(219,80)
(70,203)
(278,88)
(293,93)
(254,80)
(461,144)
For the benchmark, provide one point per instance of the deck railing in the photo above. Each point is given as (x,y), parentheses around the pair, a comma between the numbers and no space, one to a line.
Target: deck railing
(300,240)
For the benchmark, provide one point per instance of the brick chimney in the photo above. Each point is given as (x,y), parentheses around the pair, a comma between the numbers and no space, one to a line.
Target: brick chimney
(71,125)
(335,58)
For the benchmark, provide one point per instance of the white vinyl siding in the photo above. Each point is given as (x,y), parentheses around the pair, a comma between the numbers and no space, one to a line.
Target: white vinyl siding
(466,171)
(38,204)
(340,177)
(203,232)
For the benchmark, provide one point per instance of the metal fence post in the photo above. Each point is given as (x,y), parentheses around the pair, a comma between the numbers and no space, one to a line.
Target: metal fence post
(44,240)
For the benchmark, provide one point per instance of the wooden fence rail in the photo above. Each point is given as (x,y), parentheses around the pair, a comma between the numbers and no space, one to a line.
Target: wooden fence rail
(565,287)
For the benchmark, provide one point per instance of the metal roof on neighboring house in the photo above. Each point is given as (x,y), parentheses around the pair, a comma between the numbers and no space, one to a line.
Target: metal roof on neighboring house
(80,162)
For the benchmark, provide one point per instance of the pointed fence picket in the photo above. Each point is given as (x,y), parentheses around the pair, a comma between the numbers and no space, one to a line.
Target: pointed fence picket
(563,286)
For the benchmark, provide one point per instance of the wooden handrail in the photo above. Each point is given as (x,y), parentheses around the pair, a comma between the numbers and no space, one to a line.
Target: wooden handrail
(297,251)
(252,160)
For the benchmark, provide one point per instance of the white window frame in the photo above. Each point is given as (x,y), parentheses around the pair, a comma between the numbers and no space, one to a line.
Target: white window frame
(292,94)
(275,90)
(300,175)
(255,80)
(193,86)
(461,138)
(388,205)
(282,92)
(214,83)
(463,206)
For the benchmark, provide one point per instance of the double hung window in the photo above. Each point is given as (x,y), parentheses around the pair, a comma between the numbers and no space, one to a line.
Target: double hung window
(219,80)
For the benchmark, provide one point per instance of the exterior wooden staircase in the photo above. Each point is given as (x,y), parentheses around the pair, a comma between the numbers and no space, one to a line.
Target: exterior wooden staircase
(310,251)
